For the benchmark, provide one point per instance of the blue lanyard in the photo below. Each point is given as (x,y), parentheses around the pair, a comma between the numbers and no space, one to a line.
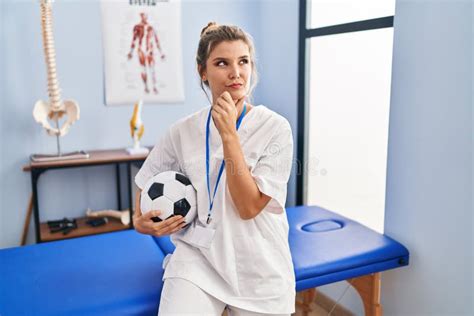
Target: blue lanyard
(211,202)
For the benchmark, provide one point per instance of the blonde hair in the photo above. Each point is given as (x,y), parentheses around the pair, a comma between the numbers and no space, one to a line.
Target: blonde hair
(214,34)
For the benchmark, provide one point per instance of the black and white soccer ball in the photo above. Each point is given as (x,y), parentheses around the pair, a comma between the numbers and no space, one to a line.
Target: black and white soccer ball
(171,193)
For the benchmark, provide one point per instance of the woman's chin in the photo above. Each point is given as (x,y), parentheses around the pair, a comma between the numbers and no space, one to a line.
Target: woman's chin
(237,96)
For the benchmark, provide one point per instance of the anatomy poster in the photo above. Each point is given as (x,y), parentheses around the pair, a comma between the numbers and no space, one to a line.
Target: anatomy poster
(142,51)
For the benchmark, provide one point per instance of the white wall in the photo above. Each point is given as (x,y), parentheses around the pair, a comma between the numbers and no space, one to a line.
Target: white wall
(278,62)
(429,179)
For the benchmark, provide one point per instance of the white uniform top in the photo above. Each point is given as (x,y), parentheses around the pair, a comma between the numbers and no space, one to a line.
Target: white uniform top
(248,264)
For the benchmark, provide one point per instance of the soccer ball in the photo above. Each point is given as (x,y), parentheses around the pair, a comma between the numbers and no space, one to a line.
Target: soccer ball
(171,193)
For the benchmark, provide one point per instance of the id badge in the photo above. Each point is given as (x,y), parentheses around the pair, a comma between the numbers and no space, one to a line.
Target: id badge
(202,236)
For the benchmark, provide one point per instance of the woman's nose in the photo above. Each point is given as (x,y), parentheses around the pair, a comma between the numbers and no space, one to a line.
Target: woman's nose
(234,72)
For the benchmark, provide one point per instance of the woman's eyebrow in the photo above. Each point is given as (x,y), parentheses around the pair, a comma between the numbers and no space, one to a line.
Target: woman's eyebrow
(223,58)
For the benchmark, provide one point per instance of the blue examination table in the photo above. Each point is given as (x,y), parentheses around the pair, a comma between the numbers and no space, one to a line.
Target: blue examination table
(120,273)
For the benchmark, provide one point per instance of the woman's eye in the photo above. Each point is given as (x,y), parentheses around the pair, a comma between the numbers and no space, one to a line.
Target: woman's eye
(222,63)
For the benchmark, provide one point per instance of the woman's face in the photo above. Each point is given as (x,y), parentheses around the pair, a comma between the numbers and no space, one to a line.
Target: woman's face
(228,68)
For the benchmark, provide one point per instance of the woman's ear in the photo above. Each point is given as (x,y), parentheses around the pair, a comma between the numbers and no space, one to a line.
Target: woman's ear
(202,73)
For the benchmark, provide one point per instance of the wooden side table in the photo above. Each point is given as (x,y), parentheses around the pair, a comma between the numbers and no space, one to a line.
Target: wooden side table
(96,157)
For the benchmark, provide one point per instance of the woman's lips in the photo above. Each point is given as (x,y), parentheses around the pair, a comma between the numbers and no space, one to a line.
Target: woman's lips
(235,86)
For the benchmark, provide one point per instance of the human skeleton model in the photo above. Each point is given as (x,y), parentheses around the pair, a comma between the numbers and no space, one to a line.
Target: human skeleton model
(55,108)
(143,31)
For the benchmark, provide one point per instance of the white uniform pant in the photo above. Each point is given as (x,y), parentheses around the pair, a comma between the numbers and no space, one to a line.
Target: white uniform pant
(181,297)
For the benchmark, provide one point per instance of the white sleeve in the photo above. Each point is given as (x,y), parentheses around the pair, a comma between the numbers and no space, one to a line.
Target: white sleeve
(161,158)
(273,168)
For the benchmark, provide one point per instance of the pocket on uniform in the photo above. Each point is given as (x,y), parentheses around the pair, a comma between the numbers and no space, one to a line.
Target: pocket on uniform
(260,269)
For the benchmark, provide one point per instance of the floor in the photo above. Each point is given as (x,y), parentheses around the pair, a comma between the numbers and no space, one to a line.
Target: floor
(316,311)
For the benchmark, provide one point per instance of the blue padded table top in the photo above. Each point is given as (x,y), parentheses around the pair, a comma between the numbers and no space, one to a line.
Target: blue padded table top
(116,273)
(327,247)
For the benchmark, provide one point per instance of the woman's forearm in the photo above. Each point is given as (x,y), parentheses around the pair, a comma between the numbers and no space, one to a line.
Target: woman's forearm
(246,196)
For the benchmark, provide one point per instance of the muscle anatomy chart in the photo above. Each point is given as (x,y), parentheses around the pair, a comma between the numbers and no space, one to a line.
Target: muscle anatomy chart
(142,51)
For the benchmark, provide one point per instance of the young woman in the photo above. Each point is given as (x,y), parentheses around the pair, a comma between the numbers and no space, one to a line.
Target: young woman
(235,254)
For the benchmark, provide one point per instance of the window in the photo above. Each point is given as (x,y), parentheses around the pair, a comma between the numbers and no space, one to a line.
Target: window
(344,100)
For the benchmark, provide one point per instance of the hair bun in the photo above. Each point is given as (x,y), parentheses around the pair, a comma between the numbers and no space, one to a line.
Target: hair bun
(210,26)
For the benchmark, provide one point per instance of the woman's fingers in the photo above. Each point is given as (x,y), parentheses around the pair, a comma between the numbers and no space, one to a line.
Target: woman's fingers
(173,222)
(226,96)
(148,219)
(222,110)
(225,104)
(168,225)
(218,110)
(144,222)
(152,214)
(179,227)
(233,104)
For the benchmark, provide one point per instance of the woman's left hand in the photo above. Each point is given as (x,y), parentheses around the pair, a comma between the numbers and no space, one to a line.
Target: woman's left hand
(224,112)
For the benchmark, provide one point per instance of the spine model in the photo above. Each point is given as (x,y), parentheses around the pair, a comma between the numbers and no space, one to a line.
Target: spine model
(55,108)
